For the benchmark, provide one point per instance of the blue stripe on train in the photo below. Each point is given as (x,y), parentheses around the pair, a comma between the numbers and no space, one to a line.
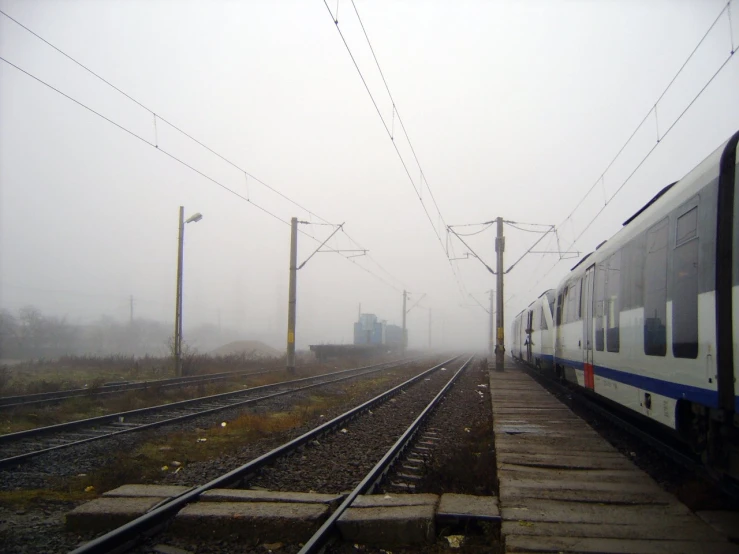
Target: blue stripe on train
(657,386)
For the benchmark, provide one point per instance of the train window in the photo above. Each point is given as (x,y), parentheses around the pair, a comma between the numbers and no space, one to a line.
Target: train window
(687,226)
(599,306)
(613,305)
(560,299)
(632,273)
(655,291)
(542,319)
(551,304)
(575,300)
(685,287)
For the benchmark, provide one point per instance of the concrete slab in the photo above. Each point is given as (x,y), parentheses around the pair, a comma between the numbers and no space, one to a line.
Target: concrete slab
(563,488)
(563,461)
(465,506)
(266,521)
(239,495)
(672,529)
(613,494)
(388,525)
(381,500)
(588,512)
(726,523)
(161,491)
(106,513)
(630,475)
(533,443)
(555,544)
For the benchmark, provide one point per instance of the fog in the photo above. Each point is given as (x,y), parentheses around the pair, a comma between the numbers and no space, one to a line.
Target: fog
(514,109)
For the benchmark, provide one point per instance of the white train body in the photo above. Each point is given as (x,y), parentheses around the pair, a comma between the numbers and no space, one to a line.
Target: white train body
(650,320)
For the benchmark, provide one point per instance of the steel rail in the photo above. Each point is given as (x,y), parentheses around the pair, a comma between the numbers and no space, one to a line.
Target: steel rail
(127,535)
(687,461)
(17,401)
(111,418)
(378,472)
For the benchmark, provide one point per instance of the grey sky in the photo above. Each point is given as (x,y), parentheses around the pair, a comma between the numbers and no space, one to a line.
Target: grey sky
(514,109)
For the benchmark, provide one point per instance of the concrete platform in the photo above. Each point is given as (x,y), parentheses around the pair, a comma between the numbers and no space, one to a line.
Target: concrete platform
(266,521)
(106,513)
(563,488)
(465,507)
(138,491)
(390,520)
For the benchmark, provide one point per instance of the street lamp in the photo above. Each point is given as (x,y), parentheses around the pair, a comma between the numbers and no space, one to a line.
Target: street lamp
(178,300)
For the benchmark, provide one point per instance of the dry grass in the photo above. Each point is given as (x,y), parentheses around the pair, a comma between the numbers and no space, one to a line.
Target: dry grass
(23,418)
(176,451)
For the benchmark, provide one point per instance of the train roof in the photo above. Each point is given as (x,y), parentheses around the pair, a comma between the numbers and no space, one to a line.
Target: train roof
(652,201)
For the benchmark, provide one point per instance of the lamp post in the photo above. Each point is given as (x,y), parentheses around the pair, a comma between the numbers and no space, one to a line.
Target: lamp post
(178,300)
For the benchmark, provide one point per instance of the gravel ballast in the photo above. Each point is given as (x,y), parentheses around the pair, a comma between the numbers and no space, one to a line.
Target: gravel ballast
(38,526)
(337,462)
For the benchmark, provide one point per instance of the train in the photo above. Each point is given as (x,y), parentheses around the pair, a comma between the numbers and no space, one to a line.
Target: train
(650,319)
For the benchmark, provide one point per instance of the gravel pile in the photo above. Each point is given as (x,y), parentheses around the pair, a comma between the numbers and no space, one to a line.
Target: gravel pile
(337,462)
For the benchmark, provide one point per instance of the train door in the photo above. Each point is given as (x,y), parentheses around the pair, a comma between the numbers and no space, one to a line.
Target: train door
(529,331)
(727,277)
(586,297)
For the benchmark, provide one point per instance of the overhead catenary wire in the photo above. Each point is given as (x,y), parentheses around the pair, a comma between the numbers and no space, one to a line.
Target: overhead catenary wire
(156,144)
(185,164)
(639,165)
(158,116)
(391,132)
(653,108)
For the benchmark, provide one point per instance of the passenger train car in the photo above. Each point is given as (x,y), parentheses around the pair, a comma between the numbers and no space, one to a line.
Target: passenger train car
(650,319)
(533,330)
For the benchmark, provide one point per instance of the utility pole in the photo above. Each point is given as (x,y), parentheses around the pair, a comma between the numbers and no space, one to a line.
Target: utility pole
(177,349)
(178,301)
(405,339)
(292,296)
(491,328)
(500,342)
(131,306)
(499,272)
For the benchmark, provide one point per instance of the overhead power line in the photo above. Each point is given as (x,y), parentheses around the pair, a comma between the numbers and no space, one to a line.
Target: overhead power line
(389,129)
(660,138)
(653,109)
(159,147)
(185,164)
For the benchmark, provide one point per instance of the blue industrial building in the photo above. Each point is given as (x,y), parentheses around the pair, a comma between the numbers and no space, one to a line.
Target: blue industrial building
(369,330)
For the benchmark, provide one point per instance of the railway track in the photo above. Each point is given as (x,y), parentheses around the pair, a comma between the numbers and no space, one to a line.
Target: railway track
(671,450)
(130,534)
(18,447)
(13,402)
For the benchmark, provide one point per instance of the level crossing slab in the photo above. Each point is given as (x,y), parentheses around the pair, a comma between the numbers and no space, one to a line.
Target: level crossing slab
(563,488)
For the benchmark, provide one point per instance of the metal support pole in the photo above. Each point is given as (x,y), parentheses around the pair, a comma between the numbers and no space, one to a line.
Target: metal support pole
(491,328)
(405,338)
(292,297)
(178,300)
(130,320)
(500,342)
